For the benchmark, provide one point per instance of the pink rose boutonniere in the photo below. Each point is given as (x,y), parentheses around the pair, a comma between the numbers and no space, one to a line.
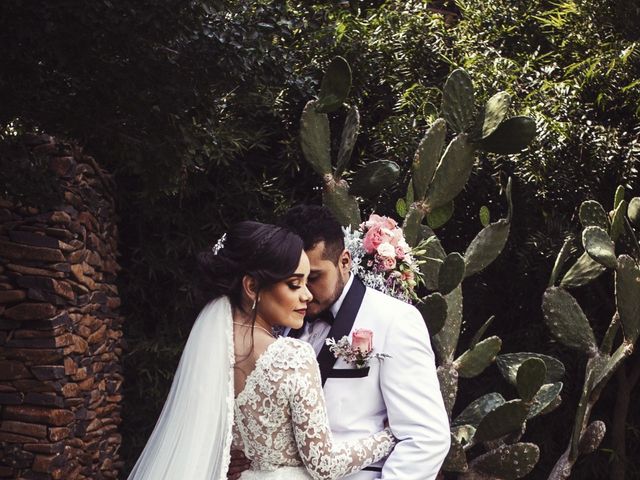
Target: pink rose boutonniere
(358,351)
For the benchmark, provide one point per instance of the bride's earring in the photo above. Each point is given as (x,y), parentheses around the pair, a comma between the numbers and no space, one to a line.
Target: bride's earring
(254,304)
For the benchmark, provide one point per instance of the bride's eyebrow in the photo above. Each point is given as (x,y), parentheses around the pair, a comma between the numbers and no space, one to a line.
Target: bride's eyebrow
(297,275)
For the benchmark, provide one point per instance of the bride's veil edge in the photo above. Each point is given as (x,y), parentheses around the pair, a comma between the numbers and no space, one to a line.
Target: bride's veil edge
(192,437)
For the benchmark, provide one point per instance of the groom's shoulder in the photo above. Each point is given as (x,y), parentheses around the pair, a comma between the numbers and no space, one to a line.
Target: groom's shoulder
(387,305)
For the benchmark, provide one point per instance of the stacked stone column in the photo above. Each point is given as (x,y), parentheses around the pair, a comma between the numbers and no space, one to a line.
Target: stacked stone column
(60,331)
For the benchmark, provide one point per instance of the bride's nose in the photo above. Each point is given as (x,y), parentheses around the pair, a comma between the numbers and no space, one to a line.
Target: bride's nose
(307,296)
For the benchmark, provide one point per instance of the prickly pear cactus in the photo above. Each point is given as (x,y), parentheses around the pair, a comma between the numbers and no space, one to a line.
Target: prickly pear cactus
(570,326)
(315,141)
(438,173)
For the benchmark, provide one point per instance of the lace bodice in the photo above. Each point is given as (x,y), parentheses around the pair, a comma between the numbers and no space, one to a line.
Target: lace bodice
(281,419)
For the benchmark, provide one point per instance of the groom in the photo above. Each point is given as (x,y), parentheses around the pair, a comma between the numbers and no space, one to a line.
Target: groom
(402,389)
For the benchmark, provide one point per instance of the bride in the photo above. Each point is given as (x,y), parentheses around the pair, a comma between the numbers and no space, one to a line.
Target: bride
(238,384)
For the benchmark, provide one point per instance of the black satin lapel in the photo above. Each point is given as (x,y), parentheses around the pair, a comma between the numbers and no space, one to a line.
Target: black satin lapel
(342,325)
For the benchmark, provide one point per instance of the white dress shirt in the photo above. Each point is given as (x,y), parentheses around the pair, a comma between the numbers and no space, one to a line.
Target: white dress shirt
(316,332)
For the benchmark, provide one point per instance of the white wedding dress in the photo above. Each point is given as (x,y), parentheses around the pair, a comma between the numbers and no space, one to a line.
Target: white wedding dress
(281,422)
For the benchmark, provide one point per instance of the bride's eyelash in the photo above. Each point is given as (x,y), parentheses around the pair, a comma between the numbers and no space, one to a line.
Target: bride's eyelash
(293,286)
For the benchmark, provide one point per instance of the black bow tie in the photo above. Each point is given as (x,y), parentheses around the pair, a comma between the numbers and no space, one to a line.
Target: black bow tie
(325,316)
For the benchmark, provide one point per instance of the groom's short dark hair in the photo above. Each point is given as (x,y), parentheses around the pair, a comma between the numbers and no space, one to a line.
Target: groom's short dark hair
(314,224)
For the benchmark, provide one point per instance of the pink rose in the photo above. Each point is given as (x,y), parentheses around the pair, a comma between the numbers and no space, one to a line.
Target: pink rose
(396,235)
(373,238)
(362,339)
(390,223)
(385,249)
(373,220)
(400,253)
(387,263)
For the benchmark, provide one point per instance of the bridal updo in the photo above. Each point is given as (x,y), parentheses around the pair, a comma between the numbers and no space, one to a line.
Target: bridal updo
(265,252)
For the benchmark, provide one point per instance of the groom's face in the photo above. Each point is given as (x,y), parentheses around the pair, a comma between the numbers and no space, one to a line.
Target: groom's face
(326,278)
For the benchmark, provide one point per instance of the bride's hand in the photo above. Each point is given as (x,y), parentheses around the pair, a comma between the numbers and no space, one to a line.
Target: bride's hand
(238,464)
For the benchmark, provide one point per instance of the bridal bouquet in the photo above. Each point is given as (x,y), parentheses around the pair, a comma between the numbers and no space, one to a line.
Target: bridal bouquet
(382,259)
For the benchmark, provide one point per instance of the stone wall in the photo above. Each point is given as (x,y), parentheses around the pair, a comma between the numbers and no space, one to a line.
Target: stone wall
(60,330)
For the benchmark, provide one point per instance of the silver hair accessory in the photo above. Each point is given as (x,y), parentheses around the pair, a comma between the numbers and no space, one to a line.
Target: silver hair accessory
(219,244)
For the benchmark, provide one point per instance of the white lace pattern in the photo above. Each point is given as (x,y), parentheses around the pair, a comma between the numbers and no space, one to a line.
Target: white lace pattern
(281,420)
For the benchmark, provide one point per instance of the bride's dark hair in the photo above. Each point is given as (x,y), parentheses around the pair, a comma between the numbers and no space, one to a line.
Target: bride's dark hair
(266,252)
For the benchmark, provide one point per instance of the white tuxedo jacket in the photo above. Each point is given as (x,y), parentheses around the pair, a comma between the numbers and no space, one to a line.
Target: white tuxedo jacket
(402,389)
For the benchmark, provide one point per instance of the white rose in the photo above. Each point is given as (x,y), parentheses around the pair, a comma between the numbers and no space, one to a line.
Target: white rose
(386,250)
(404,246)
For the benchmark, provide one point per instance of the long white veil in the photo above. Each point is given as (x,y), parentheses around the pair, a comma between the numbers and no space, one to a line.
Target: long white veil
(192,438)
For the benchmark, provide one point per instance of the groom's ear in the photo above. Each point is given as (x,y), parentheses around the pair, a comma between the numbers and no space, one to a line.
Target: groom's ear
(344,260)
(250,287)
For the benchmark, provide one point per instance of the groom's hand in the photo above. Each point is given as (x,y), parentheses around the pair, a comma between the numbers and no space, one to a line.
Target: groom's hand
(238,464)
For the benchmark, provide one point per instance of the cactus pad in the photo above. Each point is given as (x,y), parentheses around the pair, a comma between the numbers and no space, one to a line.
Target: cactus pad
(495,111)
(411,224)
(427,157)
(617,220)
(371,179)
(592,214)
(348,140)
(478,409)
(486,246)
(441,215)
(335,86)
(582,272)
(342,205)
(452,172)
(435,255)
(561,259)
(618,197)
(446,340)
(546,399)
(512,136)
(628,297)
(592,437)
(530,378)
(508,462)
(458,101)
(633,212)
(566,320)
(451,273)
(599,246)
(485,216)
(473,362)
(434,311)
(315,138)
(506,418)
(509,363)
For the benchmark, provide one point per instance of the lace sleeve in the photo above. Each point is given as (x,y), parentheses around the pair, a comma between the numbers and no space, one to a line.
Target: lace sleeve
(323,458)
